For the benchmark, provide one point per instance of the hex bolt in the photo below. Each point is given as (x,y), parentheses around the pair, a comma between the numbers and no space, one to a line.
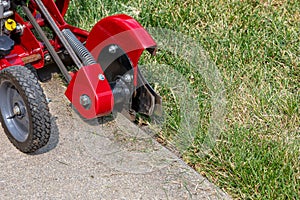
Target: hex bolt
(128,78)
(101,77)
(113,49)
(47,57)
(17,110)
(85,101)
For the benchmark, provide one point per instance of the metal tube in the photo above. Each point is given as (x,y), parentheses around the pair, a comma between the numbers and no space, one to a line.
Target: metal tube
(59,34)
(50,48)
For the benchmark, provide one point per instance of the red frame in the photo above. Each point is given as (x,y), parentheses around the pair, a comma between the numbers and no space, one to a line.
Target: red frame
(118,29)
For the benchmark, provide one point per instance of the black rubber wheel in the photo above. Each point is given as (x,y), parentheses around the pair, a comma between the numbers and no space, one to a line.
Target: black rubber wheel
(24,109)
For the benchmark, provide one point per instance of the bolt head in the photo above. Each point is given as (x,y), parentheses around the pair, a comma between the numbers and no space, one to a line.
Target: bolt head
(85,101)
(128,77)
(47,58)
(101,77)
(17,110)
(113,49)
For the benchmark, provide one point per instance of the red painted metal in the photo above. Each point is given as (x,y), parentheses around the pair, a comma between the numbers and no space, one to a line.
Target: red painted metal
(53,10)
(62,6)
(86,82)
(27,45)
(123,31)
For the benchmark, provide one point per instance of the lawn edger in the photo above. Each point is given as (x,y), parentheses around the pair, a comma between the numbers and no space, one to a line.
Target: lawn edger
(100,67)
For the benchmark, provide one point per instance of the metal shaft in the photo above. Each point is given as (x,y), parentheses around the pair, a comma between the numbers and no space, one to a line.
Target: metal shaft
(59,34)
(50,48)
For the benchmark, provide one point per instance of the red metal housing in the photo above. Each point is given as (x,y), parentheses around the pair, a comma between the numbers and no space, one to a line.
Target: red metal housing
(120,30)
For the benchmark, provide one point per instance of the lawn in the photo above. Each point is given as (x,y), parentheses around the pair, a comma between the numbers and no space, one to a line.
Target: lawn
(255,46)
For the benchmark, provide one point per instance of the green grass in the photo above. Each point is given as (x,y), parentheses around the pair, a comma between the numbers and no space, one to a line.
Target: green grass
(256,47)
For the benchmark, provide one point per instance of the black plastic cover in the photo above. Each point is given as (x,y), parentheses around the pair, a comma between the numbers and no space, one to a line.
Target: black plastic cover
(6,45)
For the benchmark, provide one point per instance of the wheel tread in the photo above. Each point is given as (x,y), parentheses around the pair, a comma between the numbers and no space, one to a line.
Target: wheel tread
(38,105)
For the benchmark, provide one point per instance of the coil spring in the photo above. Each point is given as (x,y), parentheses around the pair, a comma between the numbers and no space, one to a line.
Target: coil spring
(81,51)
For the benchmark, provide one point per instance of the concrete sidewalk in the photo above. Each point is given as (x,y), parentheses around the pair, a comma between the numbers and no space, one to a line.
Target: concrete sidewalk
(111,159)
